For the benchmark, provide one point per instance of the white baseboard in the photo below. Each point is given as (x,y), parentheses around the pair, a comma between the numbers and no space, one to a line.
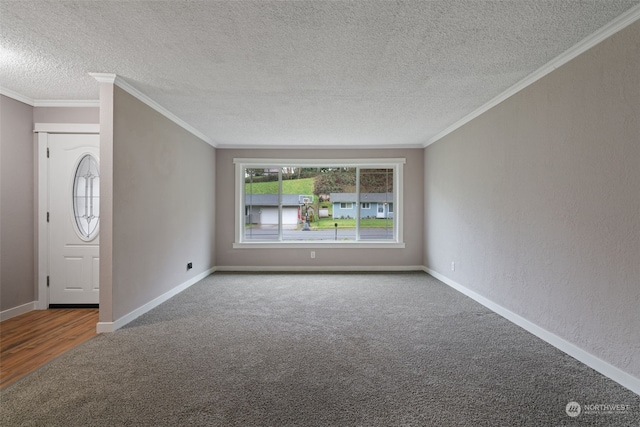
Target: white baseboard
(106,327)
(16,311)
(304,268)
(606,369)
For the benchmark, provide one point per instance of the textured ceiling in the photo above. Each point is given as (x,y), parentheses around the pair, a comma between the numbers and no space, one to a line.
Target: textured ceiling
(295,73)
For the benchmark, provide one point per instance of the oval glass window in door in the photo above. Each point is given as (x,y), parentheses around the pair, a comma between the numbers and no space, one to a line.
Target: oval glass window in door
(86,197)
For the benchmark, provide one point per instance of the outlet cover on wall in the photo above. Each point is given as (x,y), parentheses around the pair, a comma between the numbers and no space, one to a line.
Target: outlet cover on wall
(453,266)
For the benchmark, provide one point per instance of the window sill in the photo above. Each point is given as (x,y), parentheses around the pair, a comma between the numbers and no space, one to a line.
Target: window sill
(319,245)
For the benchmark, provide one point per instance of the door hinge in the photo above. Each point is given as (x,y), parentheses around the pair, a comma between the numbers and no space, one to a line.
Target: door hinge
(47,216)
(47,281)
(47,152)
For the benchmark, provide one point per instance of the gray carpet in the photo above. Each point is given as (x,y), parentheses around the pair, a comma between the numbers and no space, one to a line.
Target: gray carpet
(316,350)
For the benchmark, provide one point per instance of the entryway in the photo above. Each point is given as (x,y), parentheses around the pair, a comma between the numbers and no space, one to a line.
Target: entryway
(70,221)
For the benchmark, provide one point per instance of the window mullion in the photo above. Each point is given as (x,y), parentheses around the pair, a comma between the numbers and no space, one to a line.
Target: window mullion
(357,203)
(393,201)
(280,237)
(250,202)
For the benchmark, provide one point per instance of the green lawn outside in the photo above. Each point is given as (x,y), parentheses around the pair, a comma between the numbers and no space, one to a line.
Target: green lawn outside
(289,186)
(328,223)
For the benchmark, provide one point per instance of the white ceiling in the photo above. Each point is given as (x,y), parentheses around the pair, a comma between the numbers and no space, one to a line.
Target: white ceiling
(360,73)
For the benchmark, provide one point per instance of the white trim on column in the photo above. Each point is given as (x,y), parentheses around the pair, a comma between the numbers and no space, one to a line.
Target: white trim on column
(122,84)
(606,369)
(105,327)
(621,22)
(42,169)
(17,311)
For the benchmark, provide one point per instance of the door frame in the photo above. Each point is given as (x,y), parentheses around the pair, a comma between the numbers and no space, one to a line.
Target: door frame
(42,131)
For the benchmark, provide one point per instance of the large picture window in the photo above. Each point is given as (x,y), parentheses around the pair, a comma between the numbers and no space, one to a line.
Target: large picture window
(319,202)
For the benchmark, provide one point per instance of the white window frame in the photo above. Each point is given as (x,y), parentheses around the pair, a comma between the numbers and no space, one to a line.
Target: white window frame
(397,164)
(365,205)
(346,205)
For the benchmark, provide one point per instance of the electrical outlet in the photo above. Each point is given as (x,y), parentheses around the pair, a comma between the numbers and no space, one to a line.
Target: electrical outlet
(189,265)
(313,254)
(453,266)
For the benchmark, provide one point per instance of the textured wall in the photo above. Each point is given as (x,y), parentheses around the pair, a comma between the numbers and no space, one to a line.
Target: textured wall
(17,258)
(411,255)
(538,202)
(163,204)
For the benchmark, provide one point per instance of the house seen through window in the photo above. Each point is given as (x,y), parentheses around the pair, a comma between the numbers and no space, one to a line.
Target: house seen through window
(333,202)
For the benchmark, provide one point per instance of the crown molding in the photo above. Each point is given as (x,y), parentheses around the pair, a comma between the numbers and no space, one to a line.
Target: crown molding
(104,77)
(124,85)
(15,95)
(621,22)
(49,102)
(318,147)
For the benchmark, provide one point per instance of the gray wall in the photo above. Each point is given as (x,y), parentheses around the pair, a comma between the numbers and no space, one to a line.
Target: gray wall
(18,259)
(163,205)
(411,255)
(66,115)
(17,262)
(538,202)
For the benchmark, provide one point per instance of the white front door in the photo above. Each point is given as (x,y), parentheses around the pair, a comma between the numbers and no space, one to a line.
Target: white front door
(381,211)
(74,218)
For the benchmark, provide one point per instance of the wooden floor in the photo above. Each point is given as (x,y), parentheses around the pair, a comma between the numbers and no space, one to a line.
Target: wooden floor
(33,339)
